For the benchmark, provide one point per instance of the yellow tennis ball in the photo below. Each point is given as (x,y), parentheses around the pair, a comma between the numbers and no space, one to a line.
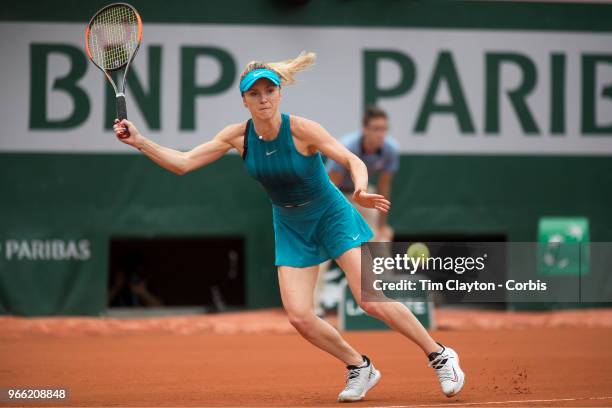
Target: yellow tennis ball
(418,250)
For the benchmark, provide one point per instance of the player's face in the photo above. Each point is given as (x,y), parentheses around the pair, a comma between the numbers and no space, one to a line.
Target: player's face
(376,130)
(262,99)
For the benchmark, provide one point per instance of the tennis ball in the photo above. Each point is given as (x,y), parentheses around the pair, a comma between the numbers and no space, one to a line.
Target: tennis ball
(418,250)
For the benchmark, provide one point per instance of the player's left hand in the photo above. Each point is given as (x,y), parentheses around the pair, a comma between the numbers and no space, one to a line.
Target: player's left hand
(370,200)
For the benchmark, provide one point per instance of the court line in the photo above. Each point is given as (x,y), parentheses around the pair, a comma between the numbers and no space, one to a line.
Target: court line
(461,404)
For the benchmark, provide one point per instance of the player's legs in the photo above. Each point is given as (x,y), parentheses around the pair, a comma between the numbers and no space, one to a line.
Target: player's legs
(319,287)
(297,288)
(444,360)
(394,314)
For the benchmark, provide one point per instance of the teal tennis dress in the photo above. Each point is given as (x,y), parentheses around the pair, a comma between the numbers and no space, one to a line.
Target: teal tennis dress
(313,221)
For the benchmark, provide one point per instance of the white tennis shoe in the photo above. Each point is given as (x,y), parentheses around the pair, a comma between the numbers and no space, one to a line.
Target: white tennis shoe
(359,380)
(450,375)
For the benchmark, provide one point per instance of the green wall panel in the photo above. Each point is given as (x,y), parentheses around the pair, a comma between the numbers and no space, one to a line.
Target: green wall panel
(100,196)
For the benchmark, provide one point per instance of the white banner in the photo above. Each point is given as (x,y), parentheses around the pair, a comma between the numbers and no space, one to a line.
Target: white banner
(526,118)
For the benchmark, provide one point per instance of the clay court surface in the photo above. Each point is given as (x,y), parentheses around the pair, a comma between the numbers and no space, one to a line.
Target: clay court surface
(255,359)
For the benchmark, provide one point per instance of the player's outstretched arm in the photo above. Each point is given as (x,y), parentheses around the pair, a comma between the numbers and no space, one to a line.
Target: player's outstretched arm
(176,161)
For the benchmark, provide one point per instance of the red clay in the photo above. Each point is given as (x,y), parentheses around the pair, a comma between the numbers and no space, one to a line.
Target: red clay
(282,369)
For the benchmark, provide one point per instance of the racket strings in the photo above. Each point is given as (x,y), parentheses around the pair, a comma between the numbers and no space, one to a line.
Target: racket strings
(114,36)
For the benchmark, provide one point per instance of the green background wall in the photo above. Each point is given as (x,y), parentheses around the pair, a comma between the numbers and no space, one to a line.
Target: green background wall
(109,195)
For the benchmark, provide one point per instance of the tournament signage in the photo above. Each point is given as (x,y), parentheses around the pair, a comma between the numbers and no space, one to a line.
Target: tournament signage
(45,250)
(447,91)
(60,273)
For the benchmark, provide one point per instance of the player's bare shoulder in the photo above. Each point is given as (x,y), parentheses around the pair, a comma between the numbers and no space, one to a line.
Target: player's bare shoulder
(303,128)
(306,134)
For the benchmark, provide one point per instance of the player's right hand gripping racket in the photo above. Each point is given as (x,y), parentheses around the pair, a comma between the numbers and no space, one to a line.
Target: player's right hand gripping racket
(112,39)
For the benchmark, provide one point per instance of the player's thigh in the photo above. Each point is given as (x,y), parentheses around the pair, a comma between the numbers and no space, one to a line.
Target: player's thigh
(297,288)
(361,284)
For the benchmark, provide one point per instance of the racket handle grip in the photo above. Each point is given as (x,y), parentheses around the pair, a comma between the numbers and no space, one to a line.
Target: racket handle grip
(121,108)
(122,114)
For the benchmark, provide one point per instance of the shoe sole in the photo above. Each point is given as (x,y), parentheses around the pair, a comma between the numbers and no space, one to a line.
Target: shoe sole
(371,384)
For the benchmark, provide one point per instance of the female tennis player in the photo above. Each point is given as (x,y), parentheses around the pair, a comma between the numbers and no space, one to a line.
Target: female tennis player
(313,221)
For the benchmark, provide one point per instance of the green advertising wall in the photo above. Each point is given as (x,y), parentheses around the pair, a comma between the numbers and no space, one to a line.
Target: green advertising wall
(94,197)
(100,196)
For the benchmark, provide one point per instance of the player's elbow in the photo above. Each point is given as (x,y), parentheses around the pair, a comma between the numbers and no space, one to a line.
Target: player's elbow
(179,171)
(183,169)
(184,165)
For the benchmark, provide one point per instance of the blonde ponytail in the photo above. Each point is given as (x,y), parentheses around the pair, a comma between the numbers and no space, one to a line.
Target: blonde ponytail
(288,68)
(285,69)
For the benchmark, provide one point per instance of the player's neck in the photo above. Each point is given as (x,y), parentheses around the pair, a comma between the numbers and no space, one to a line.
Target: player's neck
(268,128)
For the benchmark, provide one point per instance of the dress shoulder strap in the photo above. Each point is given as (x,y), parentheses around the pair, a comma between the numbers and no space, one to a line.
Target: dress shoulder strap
(245,144)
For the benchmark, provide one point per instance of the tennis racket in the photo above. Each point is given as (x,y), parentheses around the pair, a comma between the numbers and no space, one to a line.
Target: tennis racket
(112,39)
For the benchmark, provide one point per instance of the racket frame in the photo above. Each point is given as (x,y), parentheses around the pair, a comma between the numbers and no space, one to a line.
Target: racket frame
(119,91)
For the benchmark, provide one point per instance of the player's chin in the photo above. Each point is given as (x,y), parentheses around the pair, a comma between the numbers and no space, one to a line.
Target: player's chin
(265,113)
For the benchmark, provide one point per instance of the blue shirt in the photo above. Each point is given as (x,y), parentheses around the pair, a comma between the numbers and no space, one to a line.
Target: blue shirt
(385,160)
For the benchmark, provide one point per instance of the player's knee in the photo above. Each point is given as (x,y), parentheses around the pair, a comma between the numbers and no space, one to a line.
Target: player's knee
(374,309)
(302,320)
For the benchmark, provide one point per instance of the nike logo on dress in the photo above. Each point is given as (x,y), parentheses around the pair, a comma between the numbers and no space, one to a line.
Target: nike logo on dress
(272,152)
(356,236)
